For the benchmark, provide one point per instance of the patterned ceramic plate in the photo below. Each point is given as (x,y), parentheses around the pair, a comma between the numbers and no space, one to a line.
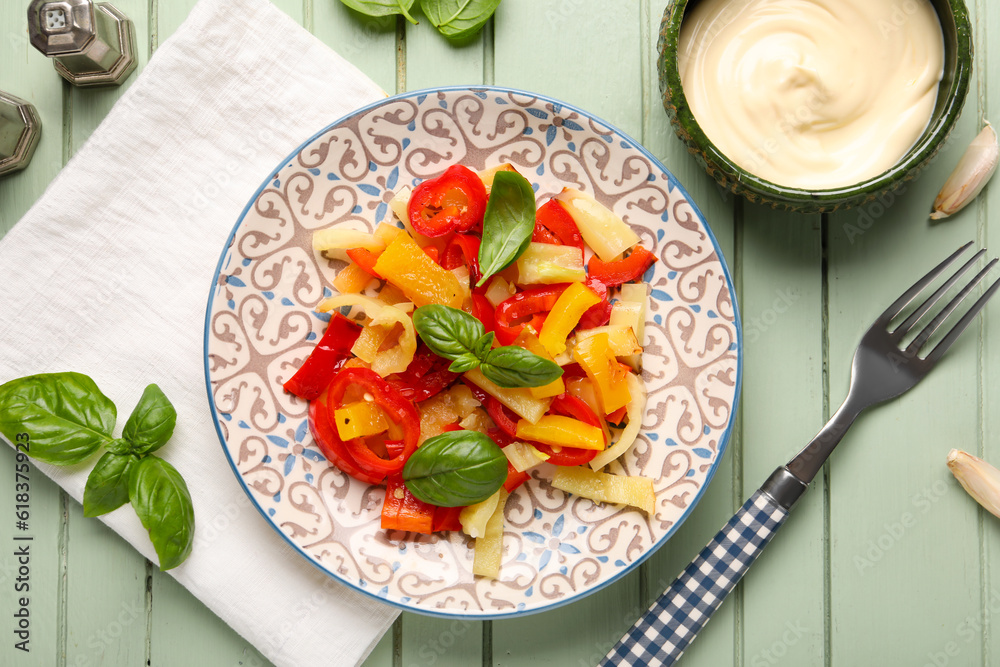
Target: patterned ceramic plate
(260,325)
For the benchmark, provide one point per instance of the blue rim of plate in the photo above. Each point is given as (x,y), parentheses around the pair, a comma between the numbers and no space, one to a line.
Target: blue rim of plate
(723,440)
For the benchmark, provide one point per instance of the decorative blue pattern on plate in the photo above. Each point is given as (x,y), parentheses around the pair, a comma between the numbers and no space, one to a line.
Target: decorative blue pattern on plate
(261,324)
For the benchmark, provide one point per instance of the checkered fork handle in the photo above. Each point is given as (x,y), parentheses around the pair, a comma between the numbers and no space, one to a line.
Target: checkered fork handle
(674,620)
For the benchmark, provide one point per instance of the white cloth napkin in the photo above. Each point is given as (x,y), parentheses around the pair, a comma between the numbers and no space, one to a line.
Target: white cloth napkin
(109,274)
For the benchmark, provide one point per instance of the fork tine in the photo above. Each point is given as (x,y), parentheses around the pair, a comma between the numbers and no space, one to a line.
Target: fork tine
(919,286)
(960,326)
(903,328)
(939,319)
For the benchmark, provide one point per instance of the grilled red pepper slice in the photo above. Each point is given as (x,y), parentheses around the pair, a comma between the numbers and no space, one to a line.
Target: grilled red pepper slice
(397,408)
(600,313)
(622,271)
(447,518)
(333,448)
(426,376)
(514,478)
(512,313)
(482,310)
(463,250)
(454,201)
(365,259)
(401,510)
(501,415)
(326,358)
(577,408)
(555,226)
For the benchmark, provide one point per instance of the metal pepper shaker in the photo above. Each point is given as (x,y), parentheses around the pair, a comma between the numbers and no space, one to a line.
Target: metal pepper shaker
(20,129)
(92,44)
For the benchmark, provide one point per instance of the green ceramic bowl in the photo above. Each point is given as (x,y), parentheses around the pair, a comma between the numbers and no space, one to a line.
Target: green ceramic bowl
(951,95)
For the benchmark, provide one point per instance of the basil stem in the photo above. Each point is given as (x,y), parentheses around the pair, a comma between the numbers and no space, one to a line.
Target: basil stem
(162,501)
(508,223)
(512,366)
(151,423)
(66,415)
(448,332)
(456,19)
(455,469)
(107,485)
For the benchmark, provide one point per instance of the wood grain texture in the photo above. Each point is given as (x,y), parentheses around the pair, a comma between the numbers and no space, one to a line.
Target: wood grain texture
(29,75)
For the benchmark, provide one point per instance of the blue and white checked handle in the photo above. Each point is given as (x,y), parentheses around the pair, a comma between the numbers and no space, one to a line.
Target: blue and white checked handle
(674,620)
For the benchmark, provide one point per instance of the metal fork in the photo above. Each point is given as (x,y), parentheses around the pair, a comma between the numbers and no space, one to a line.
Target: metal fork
(883,368)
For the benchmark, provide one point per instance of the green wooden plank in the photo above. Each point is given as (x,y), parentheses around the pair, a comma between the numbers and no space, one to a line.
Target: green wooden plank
(548,47)
(782,300)
(979,625)
(715,645)
(106,607)
(540,47)
(432,61)
(906,547)
(367,43)
(29,75)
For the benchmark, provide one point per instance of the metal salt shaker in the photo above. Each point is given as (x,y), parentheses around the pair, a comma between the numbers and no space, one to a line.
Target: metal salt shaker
(20,129)
(92,44)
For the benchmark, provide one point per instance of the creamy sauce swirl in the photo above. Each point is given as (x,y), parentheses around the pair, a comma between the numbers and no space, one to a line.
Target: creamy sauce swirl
(812,94)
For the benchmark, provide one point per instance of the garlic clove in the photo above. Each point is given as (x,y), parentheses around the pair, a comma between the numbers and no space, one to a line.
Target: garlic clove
(978,478)
(970,176)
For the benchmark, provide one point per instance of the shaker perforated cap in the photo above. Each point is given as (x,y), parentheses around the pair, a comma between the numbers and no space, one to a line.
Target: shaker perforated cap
(61,27)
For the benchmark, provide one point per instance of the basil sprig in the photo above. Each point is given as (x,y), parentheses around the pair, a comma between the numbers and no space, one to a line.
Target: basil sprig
(455,19)
(455,469)
(68,419)
(456,335)
(508,223)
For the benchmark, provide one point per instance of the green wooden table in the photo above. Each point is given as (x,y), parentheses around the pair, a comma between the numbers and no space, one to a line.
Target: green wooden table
(886,562)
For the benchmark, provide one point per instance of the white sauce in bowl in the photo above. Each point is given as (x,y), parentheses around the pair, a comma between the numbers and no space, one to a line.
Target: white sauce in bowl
(812,94)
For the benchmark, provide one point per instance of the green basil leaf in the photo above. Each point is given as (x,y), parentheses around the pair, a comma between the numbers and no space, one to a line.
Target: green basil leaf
(151,423)
(162,501)
(448,332)
(456,19)
(484,345)
(107,485)
(508,223)
(455,469)
(464,362)
(65,415)
(382,7)
(513,366)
